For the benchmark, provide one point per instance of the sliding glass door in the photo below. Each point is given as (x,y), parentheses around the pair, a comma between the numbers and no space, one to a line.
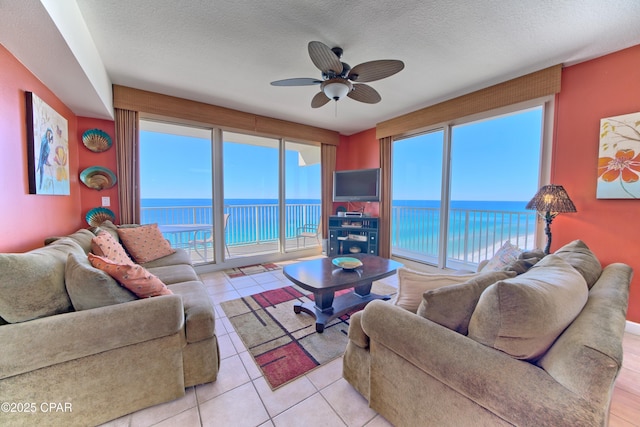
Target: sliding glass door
(176,185)
(495,165)
(416,189)
(251,179)
(460,193)
(302,194)
(221,195)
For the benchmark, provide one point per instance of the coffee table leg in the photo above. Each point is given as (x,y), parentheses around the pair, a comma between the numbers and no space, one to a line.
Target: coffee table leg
(324,311)
(363,290)
(324,301)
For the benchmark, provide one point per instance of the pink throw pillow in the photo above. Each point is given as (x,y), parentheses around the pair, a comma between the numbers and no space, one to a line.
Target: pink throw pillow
(105,245)
(145,243)
(132,276)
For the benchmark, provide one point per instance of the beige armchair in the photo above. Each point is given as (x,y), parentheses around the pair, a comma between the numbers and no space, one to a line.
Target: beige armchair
(426,370)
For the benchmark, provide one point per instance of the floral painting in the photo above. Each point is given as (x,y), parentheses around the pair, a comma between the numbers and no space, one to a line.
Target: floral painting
(47,148)
(619,158)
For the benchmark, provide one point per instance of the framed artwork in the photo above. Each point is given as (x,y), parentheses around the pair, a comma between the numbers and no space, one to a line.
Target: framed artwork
(619,158)
(47,149)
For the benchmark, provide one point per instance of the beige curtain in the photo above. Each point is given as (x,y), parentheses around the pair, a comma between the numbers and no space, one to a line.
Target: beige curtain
(328,166)
(126,129)
(384,232)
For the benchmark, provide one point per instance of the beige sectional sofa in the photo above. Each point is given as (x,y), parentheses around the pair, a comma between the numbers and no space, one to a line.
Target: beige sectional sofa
(539,349)
(78,351)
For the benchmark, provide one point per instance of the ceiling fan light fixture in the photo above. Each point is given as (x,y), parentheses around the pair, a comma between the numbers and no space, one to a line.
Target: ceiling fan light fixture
(336,88)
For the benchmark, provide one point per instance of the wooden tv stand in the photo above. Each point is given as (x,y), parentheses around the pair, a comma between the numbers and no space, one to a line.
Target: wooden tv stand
(347,233)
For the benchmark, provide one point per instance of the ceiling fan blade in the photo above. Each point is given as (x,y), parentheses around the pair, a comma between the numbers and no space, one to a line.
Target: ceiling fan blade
(324,58)
(364,93)
(319,100)
(302,81)
(375,70)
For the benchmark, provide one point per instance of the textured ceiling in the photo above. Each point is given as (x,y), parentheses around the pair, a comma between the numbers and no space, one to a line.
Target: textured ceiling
(227,52)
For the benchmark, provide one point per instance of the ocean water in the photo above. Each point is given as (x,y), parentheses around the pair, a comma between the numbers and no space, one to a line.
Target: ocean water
(514,206)
(473,225)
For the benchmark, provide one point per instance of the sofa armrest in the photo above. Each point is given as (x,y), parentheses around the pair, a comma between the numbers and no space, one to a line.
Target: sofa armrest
(356,334)
(55,339)
(514,390)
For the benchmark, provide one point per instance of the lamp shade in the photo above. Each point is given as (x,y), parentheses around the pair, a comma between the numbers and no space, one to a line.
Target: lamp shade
(553,199)
(336,88)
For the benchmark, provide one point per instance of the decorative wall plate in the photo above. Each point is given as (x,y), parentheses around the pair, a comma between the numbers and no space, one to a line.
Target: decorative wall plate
(96,140)
(98,177)
(97,216)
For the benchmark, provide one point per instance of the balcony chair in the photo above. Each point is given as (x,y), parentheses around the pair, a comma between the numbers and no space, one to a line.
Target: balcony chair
(209,241)
(311,231)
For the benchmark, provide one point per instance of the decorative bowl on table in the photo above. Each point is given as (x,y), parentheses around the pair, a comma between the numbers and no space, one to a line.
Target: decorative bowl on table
(347,263)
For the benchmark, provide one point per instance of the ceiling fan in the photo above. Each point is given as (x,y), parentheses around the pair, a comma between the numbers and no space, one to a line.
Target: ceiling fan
(339,79)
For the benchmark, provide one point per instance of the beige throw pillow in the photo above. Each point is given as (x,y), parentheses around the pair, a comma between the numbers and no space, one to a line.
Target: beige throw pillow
(89,287)
(412,284)
(524,315)
(582,259)
(505,255)
(452,306)
(32,283)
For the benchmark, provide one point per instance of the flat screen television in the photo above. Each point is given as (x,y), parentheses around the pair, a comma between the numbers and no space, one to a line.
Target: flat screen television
(362,185)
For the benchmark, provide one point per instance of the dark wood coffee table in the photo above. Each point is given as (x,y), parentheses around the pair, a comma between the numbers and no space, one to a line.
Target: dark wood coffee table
(323,278)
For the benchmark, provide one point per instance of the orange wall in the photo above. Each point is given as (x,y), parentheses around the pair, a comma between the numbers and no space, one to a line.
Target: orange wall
(604,87)
(359,151)
(26,219)
(90,198)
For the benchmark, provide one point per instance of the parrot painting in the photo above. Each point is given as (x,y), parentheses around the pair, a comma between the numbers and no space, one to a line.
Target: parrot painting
(43,160)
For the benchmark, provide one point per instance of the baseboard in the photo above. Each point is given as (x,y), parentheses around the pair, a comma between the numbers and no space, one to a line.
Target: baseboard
(632,328)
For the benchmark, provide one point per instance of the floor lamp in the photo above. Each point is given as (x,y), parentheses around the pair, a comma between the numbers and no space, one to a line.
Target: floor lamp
(549,201)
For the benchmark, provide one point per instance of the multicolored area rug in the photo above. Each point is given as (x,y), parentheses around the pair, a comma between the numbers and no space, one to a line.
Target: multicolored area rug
(250,269)
(286,345)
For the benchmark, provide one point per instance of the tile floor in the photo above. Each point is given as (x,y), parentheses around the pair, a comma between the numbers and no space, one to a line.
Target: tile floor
(242,397)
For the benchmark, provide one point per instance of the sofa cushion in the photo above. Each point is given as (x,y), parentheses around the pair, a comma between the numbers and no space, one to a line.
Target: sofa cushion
(145,243)
(104,245)
(582,259)
(412,284)
(132,276)
(32,283)
(501,259)
(452,306)
(524,315)
(180,256)
(170,274)
(89,287)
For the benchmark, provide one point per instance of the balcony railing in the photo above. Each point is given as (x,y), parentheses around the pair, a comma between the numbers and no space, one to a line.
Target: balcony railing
(251,224)
(473,235)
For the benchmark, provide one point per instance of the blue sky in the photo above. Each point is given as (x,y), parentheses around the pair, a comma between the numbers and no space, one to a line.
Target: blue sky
(180,167)
(479,149)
